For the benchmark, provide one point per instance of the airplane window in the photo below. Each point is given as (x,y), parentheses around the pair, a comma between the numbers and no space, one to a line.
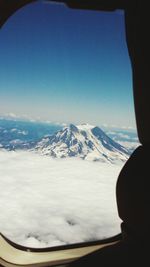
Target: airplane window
(67,124)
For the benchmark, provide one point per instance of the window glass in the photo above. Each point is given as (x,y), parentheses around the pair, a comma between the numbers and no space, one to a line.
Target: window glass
(67,124)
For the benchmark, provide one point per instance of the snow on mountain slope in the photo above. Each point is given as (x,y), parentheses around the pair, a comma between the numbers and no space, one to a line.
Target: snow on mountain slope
(83,141)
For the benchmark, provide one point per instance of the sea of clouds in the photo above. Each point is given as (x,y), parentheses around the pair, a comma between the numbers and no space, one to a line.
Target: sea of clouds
(49,202)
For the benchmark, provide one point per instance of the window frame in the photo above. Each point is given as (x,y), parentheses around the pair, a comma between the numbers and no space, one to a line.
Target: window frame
(77,250)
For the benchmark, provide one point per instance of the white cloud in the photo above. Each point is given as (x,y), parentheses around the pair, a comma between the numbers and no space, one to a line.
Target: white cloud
(115,126)
(48,122)
(22,132)
(128,128)
(49,202)
(13,130)
(105,125)
(129,145)
(122,135)
(16,141)
(111,132)
(12,115)
(64,124)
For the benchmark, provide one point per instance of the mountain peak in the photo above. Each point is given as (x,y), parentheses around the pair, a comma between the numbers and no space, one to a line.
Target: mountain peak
(85,126)
(84,141)
(73,128)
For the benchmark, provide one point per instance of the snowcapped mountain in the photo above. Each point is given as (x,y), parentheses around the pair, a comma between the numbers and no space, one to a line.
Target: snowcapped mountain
(83,141)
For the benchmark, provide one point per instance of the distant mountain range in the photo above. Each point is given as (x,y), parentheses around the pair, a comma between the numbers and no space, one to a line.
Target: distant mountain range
(82,141)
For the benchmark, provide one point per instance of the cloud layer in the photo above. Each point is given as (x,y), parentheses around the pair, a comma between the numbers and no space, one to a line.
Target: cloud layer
(49,202)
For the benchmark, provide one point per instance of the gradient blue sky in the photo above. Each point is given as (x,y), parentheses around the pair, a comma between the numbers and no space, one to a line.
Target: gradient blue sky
(66,65)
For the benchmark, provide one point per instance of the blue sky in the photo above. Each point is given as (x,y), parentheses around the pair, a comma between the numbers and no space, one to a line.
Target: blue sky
(65,65)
